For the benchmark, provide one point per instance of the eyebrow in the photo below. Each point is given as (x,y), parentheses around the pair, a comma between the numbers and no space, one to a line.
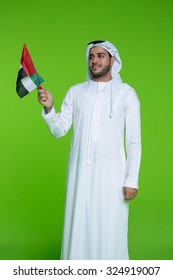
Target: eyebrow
(97,53)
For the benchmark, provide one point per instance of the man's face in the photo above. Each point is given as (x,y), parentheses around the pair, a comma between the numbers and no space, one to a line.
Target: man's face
(100,62)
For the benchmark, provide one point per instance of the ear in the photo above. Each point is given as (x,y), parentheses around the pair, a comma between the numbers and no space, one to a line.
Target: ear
(112,60)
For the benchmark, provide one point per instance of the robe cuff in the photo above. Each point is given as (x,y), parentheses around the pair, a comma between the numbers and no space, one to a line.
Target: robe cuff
(49,118)
(130,184)
(48,115)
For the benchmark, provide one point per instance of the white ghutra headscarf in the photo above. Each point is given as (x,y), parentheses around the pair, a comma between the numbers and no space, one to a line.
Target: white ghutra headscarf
(116,67)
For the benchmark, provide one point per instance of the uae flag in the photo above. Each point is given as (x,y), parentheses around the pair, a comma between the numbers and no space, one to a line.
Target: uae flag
(28,79)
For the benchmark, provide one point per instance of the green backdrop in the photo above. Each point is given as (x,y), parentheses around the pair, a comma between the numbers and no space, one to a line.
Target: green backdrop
(33,163)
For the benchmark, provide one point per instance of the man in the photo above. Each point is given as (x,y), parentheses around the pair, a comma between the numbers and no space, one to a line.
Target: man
(101,178)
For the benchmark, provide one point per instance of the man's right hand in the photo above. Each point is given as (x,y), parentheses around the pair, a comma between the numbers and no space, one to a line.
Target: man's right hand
(45,98)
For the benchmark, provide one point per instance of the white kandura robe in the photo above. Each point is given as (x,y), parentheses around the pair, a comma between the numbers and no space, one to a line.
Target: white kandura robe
(96,213)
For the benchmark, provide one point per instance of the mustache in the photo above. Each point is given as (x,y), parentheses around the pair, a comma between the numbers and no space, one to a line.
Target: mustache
(95,64)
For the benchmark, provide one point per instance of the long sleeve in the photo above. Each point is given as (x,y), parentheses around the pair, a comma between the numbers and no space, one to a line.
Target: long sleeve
(133,139)
(60,123)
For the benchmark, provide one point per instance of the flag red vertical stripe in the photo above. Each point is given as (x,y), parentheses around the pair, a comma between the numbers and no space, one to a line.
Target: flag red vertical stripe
(26,62)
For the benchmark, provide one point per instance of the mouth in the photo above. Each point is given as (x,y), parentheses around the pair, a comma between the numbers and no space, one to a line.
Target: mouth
(95,67)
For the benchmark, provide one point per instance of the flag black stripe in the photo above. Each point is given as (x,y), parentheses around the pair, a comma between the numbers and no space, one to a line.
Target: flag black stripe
(21,90)
(21,74)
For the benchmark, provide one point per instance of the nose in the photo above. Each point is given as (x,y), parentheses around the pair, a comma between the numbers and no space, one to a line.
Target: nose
(94,59)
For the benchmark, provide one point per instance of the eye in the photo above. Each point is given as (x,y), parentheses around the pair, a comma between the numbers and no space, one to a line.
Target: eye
(100,55)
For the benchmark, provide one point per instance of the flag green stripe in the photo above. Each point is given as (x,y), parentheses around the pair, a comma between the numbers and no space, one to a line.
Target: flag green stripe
(36,79)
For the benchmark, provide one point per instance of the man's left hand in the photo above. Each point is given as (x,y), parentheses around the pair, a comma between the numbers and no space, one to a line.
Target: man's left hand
(129,193)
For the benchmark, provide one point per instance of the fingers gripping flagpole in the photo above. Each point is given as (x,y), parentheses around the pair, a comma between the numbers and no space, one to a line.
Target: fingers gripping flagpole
(28,78)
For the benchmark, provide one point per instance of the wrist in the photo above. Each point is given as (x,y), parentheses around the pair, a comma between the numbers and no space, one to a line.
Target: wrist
(47,109)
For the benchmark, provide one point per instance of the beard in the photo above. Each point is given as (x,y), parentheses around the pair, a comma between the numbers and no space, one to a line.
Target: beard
(102,73)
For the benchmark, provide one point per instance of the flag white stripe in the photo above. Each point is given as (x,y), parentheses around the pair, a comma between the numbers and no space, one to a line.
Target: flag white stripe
(28,83)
